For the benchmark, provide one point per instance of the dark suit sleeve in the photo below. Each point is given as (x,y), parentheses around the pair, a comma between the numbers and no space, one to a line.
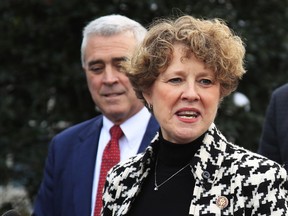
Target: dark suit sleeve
(269,143)
(44,202)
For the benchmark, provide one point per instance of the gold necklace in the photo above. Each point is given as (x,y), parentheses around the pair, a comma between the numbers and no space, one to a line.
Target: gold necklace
(155,180)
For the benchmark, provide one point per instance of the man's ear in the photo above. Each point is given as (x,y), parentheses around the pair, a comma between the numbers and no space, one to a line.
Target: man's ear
(83,69)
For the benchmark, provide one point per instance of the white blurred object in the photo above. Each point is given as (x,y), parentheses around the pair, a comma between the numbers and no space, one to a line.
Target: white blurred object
(17,196)
(241,100)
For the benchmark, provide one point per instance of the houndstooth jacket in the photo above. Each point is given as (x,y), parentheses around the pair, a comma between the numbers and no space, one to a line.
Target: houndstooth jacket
(229,181)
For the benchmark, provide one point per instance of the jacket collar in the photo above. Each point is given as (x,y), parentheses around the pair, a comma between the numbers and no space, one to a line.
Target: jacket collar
(206,162)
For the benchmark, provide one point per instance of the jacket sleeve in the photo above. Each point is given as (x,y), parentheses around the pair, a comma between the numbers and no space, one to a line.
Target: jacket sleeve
(44,201)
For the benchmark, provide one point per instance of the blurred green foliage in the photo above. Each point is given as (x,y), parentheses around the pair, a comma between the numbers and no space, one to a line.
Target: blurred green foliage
(43,89)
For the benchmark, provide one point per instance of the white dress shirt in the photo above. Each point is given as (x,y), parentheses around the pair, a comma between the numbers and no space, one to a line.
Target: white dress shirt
(133,129)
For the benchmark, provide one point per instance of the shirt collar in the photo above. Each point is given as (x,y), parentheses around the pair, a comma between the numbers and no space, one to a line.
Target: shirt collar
(134,127)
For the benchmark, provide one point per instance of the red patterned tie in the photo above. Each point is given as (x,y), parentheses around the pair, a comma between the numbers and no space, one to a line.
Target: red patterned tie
(111,156)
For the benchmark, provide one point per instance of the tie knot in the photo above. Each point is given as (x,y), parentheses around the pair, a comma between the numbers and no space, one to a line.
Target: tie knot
(116,132)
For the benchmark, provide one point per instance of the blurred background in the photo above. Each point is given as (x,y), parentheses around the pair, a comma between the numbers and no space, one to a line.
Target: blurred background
(43,88)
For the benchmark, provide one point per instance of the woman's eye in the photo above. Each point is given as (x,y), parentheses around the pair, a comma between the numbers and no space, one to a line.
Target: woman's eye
(175,80)
(206,81)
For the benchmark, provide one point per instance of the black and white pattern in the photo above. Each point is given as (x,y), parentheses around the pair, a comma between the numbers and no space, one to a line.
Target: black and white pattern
(230,180)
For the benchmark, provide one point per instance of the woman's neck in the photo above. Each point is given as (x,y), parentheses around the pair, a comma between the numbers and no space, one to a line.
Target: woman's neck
(173,154)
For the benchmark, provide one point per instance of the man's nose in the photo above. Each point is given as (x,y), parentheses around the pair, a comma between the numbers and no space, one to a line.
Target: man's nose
(110,75)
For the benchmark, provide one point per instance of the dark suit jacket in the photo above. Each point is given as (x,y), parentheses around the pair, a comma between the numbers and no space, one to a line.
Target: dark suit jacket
(274,138)
(66,188)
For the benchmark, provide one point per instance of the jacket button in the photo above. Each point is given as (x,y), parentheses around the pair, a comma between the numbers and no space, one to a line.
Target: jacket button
(206,175)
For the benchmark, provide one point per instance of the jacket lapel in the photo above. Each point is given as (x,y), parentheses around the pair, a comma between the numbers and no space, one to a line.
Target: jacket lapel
(210,156)
(84,163)
(145,167)
(206,165)
(150,132)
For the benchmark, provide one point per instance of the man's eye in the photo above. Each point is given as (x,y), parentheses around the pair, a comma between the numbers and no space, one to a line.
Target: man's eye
(119,67)
(96,69)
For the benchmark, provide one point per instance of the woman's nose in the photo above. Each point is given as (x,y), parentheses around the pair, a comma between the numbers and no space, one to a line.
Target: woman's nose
(190,92)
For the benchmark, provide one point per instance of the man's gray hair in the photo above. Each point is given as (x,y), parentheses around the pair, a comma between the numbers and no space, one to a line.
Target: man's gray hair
(111,25)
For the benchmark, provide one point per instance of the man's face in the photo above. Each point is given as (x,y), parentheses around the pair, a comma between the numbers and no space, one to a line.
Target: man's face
(110,89)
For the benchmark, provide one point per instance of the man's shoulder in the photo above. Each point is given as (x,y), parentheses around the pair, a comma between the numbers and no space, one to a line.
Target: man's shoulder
(279,100)
(282,90)
(82,127)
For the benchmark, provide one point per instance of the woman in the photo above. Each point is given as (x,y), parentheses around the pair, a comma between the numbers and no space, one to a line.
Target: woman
(182,72)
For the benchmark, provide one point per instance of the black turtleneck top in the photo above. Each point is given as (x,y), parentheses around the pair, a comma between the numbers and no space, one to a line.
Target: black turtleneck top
(173,197)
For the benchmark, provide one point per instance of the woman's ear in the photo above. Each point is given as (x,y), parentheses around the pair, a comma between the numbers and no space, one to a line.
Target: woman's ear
(148,101)
(147,97)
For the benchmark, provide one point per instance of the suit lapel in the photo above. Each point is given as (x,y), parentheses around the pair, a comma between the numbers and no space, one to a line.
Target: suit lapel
(84,163)
(150,133)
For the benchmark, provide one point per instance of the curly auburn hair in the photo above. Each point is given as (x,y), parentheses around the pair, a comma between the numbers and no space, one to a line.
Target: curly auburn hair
(210,41)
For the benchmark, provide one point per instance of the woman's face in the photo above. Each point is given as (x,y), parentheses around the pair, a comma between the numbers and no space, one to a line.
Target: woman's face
(185,98)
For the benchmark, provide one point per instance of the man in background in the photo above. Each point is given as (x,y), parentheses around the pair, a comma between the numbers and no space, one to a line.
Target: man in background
(72,170)
(274,138)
